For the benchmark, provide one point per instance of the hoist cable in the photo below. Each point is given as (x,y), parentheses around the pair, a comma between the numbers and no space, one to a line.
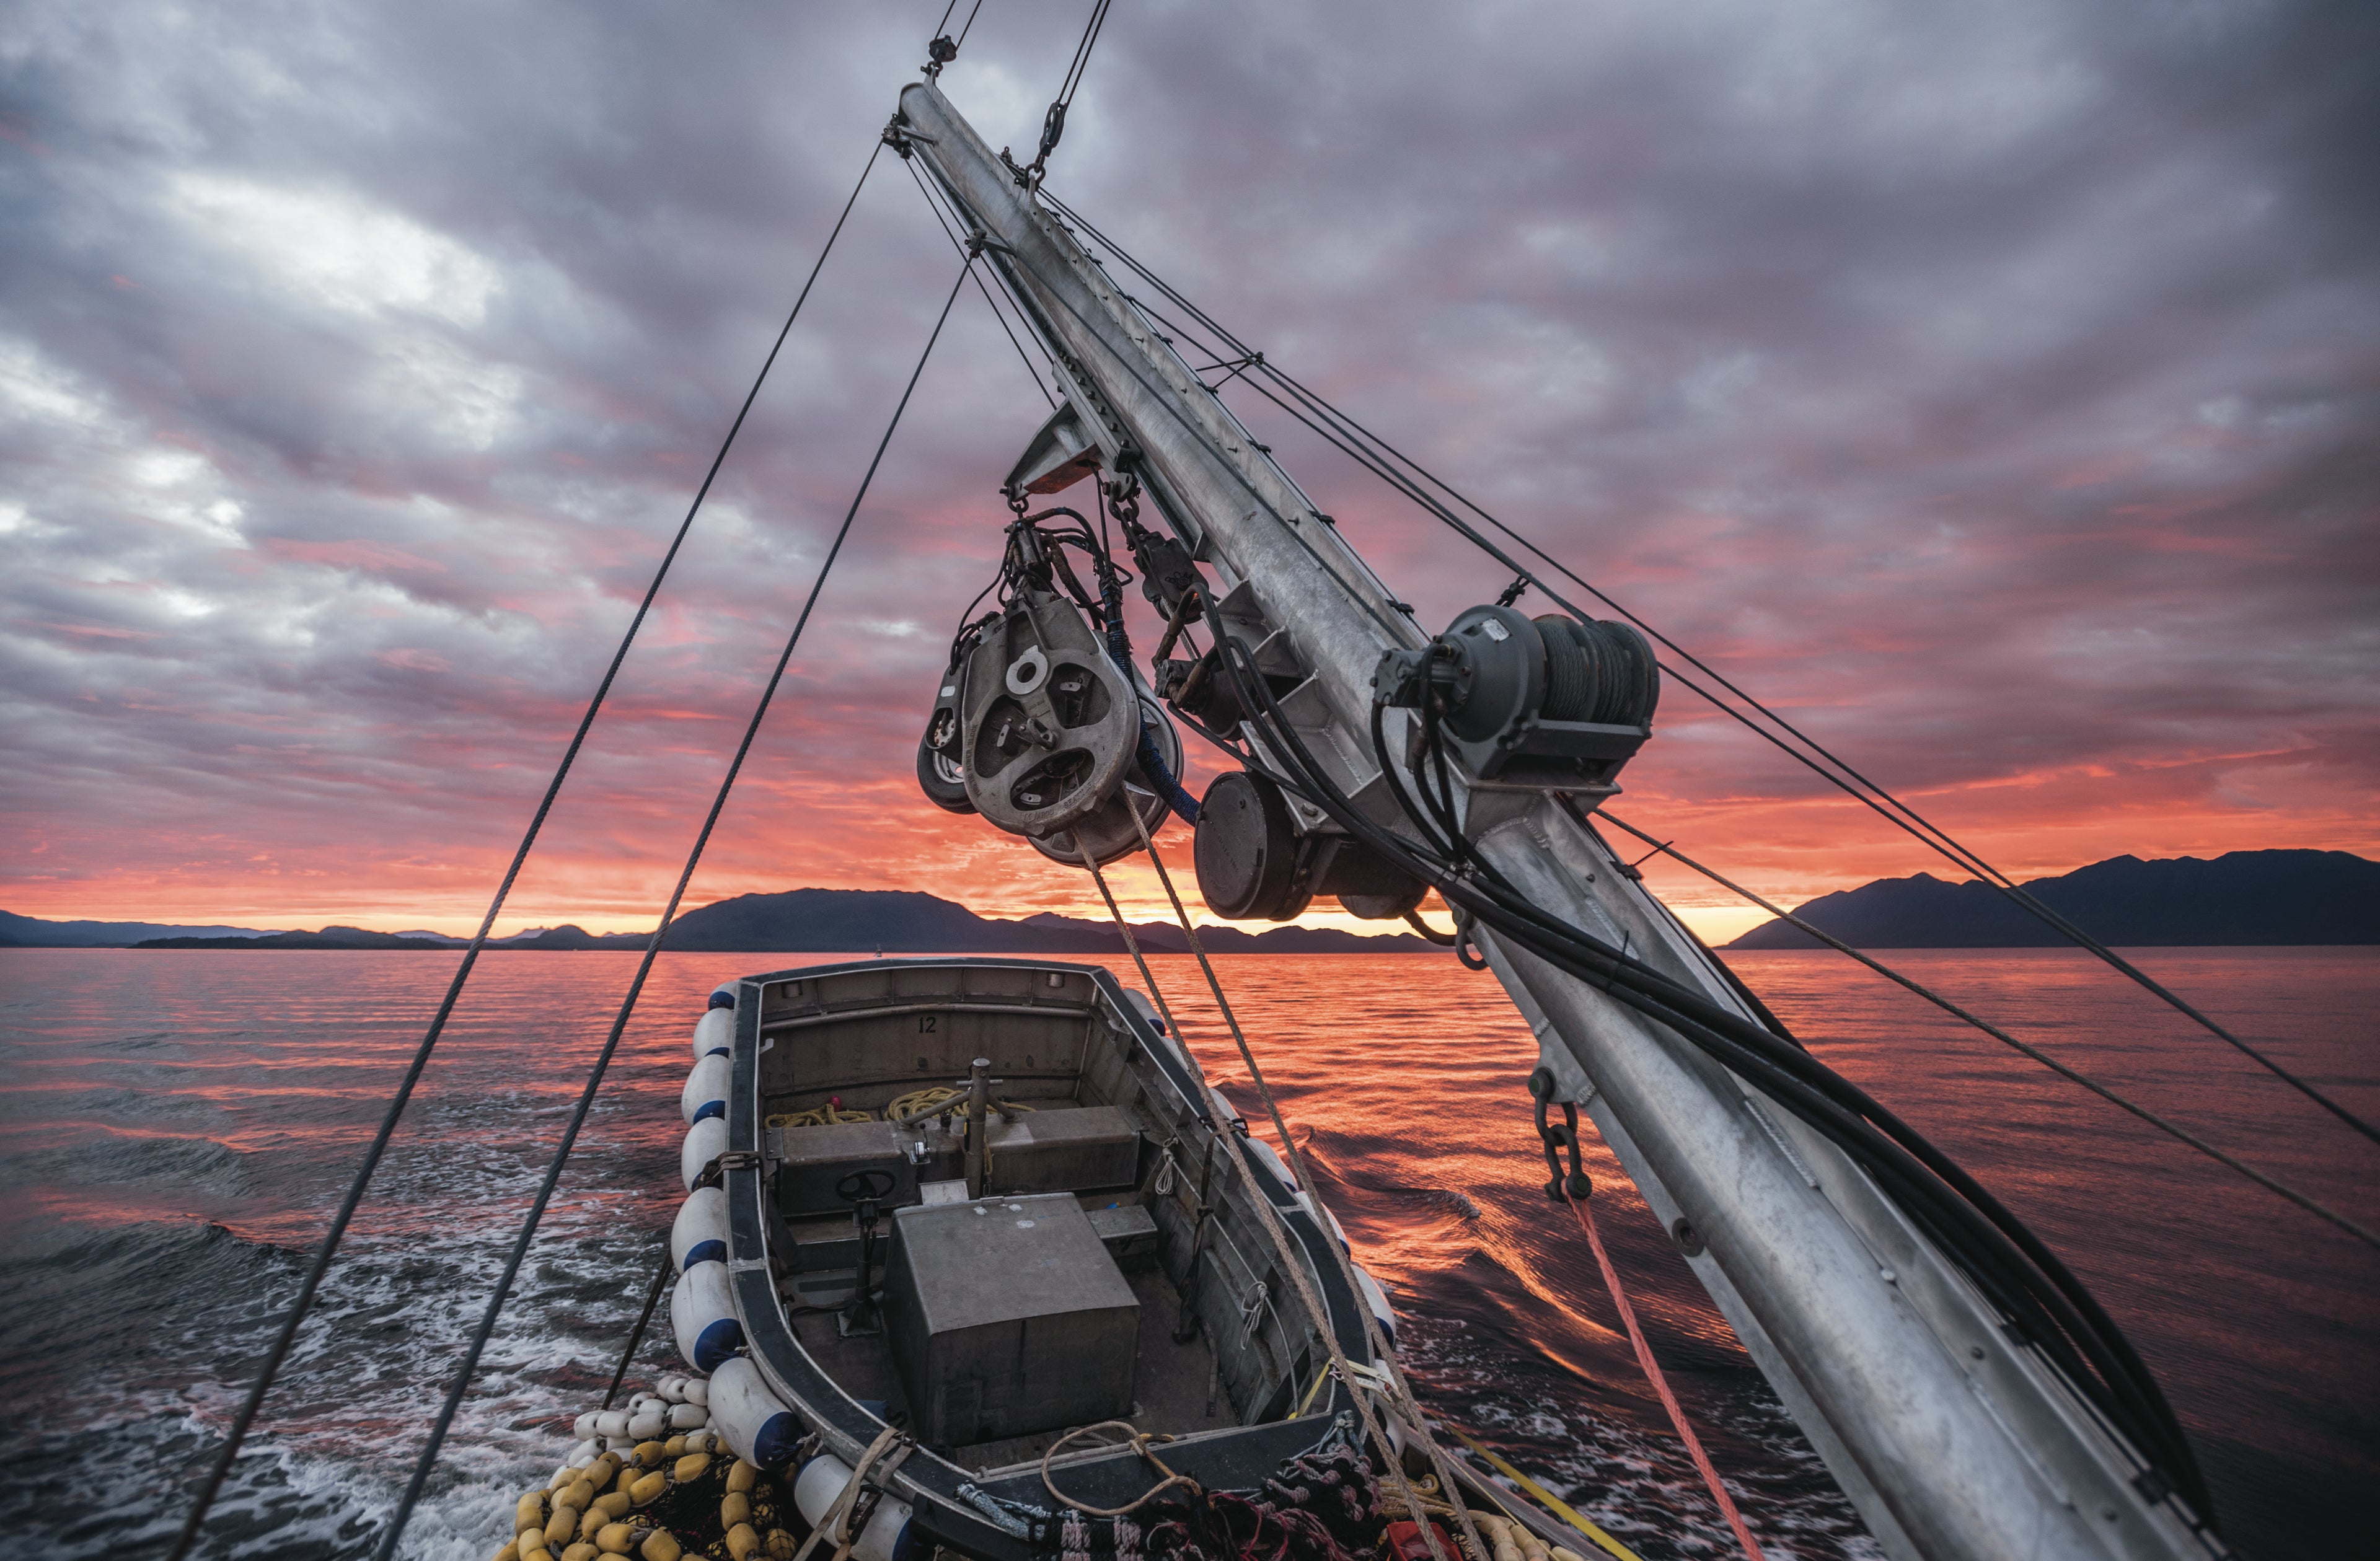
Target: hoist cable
(2046,1060)
(462,1382)
(278,1353)
(1841,775)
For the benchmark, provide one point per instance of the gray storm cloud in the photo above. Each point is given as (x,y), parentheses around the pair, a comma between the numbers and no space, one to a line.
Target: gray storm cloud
(1995,386)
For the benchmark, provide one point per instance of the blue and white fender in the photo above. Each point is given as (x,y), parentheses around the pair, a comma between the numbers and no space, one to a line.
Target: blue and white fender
(703,1314)
(701,1233)
(706,1090)
(705,1142)
(714,1033)
(759,1429)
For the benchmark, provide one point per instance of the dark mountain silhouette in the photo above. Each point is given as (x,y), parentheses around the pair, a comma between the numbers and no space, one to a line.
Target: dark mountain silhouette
(329,937)
(836,921)
(2239,899)
(32,932)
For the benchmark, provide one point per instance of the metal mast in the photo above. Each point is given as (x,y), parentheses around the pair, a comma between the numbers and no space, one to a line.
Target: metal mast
(1955,1442)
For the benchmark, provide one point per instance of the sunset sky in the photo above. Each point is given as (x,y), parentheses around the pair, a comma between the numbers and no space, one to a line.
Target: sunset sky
(1994,387)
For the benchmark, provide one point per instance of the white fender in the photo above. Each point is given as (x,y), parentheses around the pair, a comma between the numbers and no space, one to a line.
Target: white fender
(821,1479)
(706,1090)
(715,1032)
(705,1142)
(759,1429)
(701,1233)
(698,1392)
(704,1317)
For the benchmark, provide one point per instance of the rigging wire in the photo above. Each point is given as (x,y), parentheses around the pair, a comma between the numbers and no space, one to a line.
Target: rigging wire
(997,313)
(312,1284)
(2047,1060)
(1053,124)
(461,1385)
(1315,1311)
(1401,1393)
(1383,459)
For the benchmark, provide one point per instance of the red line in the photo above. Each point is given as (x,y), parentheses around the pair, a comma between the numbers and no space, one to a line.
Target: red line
(1661,1385)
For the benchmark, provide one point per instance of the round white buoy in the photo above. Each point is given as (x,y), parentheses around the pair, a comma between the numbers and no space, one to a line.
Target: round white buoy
(612,1424)
(698,1391)
(688,1417)
(584,1426)
(672,1389)
(647,1426)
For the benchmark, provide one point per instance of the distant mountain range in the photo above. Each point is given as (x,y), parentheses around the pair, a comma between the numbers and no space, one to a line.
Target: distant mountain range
(798,920)
(2242,897)
(2245,897)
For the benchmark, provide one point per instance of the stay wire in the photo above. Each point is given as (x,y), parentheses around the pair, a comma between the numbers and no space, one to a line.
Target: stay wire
(997,313)
(461,1385)
(1376,458)
(1284,1249)
(312,1284)
(1401,1393)
(2047,1060)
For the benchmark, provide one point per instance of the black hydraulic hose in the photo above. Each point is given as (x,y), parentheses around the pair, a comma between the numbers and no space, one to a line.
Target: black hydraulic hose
(279,1351)
(487,1326)
(2127,1393)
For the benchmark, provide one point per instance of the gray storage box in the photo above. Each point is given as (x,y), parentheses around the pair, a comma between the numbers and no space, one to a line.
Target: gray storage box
(1007,1317)
(1064,1151)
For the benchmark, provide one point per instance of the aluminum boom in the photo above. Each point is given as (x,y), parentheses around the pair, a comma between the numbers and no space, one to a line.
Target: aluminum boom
(1954,1442)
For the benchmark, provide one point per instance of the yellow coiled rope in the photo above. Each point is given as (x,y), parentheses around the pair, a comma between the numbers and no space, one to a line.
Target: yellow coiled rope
(923,1102)
(824,1116)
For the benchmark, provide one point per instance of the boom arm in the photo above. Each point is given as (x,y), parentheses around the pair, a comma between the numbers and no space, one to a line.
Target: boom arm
(1951,1439)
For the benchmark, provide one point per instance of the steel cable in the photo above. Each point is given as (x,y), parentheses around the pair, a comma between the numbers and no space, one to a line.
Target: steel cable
(307,1288)
(461,1385)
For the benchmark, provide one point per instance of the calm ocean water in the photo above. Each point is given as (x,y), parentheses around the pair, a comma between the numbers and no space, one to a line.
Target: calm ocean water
(175,1127)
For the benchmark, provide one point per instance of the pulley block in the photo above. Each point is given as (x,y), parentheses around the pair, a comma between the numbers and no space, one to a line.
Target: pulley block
(940,774)
(1554,701)
(1108,832)
(1047,724)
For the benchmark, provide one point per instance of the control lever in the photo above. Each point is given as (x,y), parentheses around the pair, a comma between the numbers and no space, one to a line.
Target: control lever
(863,1190)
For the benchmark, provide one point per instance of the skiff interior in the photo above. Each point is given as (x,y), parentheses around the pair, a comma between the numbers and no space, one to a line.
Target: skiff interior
(1001,1203)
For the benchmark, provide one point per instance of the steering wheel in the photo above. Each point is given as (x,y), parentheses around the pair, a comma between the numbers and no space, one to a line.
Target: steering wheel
(866,1186)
